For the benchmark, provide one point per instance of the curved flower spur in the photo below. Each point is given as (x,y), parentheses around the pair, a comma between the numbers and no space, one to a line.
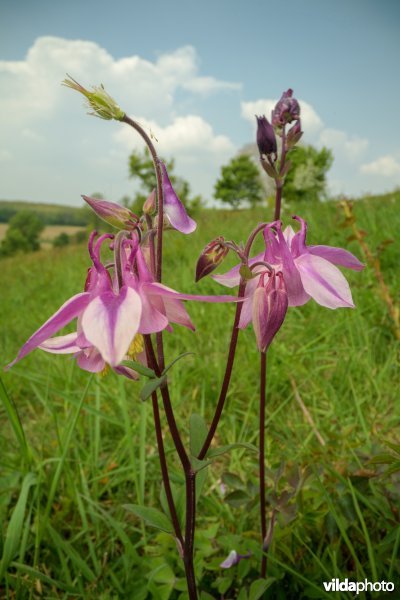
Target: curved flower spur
(114,309)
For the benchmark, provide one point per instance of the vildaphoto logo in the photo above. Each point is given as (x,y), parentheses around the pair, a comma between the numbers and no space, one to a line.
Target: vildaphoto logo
(335,585)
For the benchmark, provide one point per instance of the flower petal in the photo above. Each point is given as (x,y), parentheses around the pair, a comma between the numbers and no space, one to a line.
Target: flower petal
(68,311)
(231,560)
(260,312)
(62,344)
(297,295)
(246,313)
(91,360)
(337,256)
(323,281)
(163,290)
(174,208)
(111,321)
(153,317)
(176,312)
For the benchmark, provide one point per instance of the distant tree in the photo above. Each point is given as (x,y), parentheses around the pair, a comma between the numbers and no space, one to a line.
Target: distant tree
(22,234)
(61,240)
(239,182)
(141,168)
(306,179)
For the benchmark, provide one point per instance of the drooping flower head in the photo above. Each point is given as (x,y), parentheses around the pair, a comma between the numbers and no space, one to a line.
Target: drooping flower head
(307,272)
(119,303)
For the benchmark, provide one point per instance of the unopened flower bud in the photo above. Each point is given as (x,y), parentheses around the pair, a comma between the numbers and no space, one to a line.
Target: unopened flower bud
(266,140)
(212,256)
(149,206)
(286,110)
(101,103)
(114,214)
(293,135)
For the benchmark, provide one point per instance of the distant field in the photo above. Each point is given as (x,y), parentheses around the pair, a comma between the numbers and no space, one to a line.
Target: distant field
(49,232)
(90,442)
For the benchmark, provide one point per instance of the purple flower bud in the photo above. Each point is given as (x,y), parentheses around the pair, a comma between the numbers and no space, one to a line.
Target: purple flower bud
(114,214)
(293,135)
(266,140)
(212,256)
(286,110)
(149,206)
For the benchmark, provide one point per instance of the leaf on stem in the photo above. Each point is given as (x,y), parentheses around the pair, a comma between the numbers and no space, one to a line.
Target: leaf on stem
(151,516)
(151,386)
(198,431)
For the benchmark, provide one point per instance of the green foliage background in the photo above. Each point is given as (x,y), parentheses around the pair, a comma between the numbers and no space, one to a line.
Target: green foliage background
(89,444)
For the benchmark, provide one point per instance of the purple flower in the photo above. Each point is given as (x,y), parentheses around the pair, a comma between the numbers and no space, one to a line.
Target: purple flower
(113,311)
(308,271)
(266,140)
(233,559)
(173,207)
(286,110)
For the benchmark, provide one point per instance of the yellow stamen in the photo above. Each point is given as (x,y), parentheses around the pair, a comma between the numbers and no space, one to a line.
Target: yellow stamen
(136,347)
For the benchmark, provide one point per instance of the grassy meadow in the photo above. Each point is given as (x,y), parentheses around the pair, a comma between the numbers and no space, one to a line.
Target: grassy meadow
(88,443)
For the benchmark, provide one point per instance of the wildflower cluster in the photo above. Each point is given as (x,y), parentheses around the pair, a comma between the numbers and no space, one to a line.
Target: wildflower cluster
(124,304)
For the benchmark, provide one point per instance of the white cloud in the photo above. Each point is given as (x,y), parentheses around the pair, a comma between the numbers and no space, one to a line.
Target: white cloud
(386,166)
(352,147)
(310,120)
(44,126)
(183,135)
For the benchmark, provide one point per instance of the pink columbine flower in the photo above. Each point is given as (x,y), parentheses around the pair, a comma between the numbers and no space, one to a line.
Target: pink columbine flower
(112,310)
(308,271)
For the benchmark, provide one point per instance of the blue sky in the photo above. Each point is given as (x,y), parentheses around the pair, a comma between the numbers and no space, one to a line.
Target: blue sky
(202,69)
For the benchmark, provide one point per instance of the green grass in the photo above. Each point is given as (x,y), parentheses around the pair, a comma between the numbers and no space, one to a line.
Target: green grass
(76,448)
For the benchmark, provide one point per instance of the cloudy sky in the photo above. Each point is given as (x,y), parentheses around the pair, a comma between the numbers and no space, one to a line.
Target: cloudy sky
(194,74)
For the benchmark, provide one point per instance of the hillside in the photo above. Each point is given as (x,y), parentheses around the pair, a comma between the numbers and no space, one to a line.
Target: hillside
(50,214)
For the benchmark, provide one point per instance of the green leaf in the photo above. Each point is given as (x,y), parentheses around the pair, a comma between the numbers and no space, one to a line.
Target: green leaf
(223,449)
(259,586)
(15,421)
(242,594)
(199,465)
(167,368)
(14,529)
(151,516)
(139,368)
(233,481)
(200,481)
(198,431)
(151,386)
(179,496)
(237,498)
